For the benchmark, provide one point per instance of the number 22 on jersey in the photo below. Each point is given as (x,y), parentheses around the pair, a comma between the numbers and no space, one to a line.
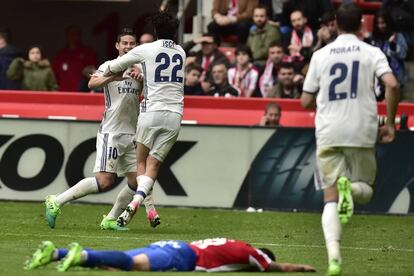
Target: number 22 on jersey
(164,61)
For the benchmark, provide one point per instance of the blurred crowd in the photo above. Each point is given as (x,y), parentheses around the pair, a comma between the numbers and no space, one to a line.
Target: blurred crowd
(252,49)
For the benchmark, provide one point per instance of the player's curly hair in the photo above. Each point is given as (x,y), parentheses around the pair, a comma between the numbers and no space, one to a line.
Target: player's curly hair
(165,25)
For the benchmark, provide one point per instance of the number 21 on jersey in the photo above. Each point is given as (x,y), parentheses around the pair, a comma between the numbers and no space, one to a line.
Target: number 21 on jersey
(343,75)
(164,61)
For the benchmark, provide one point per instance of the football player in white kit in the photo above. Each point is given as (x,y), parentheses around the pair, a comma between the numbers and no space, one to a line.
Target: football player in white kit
(340,83)
(162,107)
(115,149)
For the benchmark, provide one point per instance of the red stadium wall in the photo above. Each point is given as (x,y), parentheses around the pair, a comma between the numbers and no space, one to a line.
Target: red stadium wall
(197,110)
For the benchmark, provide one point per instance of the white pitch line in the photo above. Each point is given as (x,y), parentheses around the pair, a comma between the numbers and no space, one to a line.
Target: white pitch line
(254,243)
(342,247)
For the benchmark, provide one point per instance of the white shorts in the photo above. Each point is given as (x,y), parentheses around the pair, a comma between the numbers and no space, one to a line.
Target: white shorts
(158,131)
(358,164)
(115,153)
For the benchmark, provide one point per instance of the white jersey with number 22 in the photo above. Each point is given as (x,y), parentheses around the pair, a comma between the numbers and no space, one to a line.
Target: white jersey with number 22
(163,68)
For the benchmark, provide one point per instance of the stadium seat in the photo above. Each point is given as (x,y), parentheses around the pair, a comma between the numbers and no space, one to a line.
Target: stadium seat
(229,52)
(368,22)
(232,40)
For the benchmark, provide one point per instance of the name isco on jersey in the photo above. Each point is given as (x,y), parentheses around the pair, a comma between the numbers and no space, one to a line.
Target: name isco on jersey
(344,50)
(127,90)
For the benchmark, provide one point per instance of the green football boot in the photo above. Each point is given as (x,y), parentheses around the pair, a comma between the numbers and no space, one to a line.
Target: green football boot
(42,256)
(345,202)
(52,210)
(334,268)
(73,258)
(111,224)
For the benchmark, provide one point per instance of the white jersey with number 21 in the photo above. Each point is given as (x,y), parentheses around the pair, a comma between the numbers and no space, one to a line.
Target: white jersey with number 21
(342,74)
(163,68)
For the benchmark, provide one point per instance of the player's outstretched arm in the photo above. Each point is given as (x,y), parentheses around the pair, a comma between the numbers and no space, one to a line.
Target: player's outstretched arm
(392,97)
(98,80)
(120,64)
(287,267)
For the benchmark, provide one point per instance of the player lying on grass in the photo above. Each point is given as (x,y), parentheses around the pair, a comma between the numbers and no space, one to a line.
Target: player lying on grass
(211,255)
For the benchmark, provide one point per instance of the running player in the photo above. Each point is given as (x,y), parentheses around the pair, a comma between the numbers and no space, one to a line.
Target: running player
(114,144)
(340,83)
(211,255)
(162,107)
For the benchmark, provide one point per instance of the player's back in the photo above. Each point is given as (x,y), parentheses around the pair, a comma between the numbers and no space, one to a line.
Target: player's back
(163,68)
(228,255)
(344,73)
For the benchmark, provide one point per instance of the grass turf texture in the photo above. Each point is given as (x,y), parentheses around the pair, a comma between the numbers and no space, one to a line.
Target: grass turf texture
(372,245)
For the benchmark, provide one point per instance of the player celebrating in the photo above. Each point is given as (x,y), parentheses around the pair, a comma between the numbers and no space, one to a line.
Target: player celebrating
(114,144)
(162,107)
(211,255)
(340,83)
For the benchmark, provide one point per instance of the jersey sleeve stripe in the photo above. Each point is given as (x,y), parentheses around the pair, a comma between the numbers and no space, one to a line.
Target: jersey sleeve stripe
(144,102)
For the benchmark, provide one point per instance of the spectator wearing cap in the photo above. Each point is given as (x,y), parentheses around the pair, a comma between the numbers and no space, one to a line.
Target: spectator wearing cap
(205,57)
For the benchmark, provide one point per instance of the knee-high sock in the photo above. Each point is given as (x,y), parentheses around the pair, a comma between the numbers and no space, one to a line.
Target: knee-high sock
(149,201)
(332,230)
(59,254)
(145,184)
(361,192)
(123,199)
(84,187)
(116,259)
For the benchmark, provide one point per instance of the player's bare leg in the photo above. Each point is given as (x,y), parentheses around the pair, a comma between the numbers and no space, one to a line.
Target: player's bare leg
(90,185)
(109,222)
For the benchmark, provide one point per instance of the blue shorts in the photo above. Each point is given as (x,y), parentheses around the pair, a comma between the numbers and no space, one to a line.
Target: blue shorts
(167,255)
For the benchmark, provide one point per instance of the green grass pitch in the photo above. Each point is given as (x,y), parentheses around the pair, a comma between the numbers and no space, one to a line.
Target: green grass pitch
(372,245)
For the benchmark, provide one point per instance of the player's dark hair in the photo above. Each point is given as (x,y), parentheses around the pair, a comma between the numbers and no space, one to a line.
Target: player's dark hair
(348,18)
(268,253)
(124,32)
(244,49)
(165,25)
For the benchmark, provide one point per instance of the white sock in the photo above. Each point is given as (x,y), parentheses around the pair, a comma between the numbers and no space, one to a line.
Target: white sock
(84,187)
(122,200)
(149,202)
(361,192)
(145,184)
(332,230)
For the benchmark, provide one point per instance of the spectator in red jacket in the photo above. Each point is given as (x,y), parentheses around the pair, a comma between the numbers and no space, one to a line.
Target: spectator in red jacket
(70,62)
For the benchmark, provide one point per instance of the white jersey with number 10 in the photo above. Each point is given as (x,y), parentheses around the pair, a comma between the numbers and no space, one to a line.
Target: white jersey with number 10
(163,68)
